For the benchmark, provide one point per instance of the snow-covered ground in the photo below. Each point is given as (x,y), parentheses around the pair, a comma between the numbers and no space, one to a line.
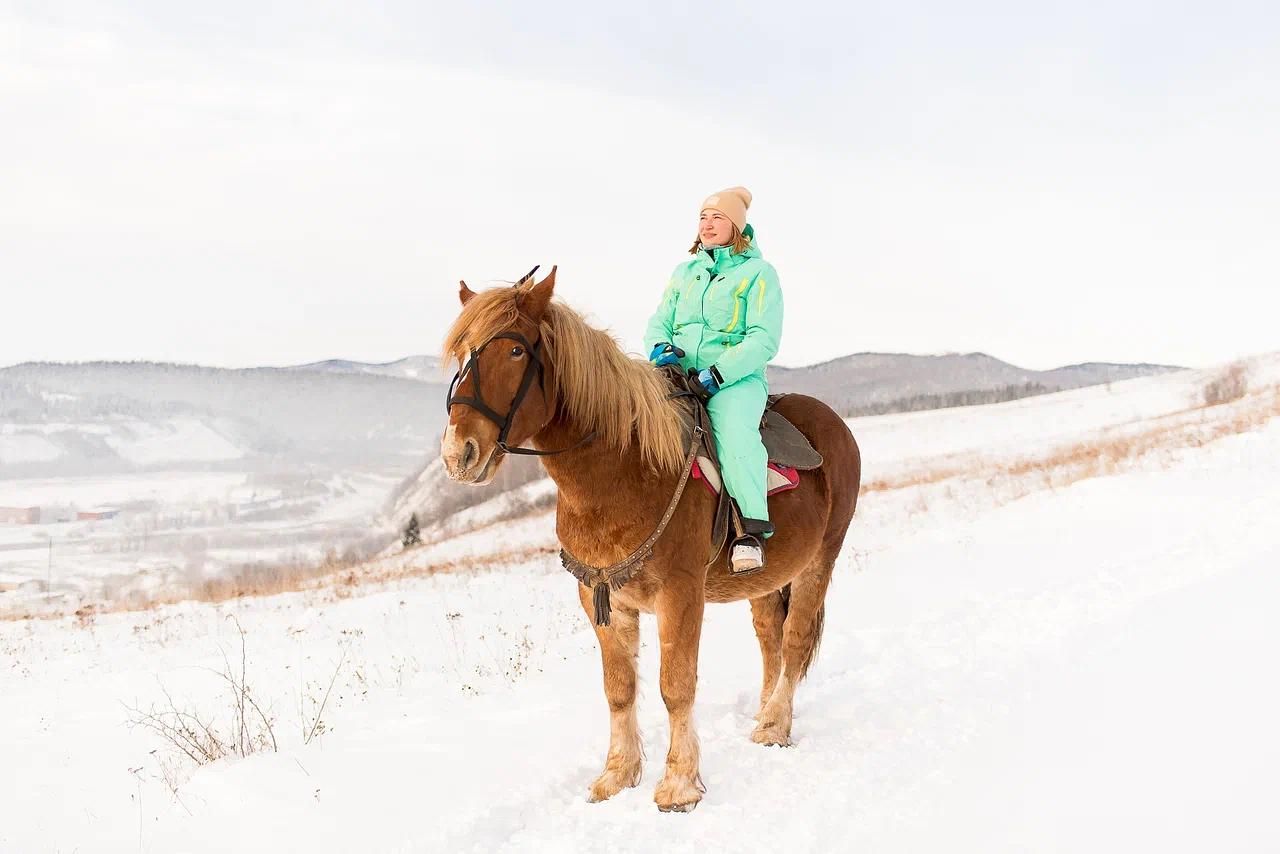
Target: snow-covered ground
(132,439)
(1007,666)
(175,528)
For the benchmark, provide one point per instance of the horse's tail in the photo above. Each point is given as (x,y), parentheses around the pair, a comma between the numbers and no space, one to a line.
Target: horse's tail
(814,638)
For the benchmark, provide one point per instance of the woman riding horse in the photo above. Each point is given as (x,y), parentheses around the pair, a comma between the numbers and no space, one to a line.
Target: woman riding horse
(721,316)
(532,370)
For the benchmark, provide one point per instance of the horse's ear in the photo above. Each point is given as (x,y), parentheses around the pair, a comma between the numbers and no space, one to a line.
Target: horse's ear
(537,297)
(465,293)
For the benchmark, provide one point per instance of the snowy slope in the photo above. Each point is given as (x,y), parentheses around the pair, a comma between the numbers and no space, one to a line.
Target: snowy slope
(864,381)
(17,446)
(179,440)
(121,416)
(1051,669)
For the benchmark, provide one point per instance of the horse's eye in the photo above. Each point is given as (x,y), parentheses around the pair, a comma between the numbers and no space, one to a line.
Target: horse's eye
(517,351)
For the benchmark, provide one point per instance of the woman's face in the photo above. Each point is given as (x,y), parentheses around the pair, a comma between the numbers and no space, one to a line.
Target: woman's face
(714,228)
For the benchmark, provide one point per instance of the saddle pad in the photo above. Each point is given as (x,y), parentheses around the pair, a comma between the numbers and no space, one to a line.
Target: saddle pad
(781,478)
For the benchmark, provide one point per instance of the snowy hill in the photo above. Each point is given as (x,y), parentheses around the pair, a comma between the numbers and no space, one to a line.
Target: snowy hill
(424,368)
(874,383)
(1046,633)
(203,470)
(87,418)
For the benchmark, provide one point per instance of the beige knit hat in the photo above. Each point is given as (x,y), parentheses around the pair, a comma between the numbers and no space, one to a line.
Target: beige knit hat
(733,203)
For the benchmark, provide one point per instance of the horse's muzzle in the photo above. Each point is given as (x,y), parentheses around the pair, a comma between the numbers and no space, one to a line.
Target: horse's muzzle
(463,460)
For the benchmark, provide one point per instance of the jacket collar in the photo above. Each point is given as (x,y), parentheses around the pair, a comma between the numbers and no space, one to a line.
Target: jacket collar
(722,258)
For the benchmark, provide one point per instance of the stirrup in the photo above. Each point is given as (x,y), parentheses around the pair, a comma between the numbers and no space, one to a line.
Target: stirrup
(746,556)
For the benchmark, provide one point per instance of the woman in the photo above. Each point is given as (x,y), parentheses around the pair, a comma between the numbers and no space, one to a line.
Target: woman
(721,315)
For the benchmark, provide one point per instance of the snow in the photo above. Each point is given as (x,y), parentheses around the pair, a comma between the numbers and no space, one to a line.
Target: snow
(109,490)
(176,439)
(893,444)
(1057,669)
(138,442)
(175,529)
(25,448)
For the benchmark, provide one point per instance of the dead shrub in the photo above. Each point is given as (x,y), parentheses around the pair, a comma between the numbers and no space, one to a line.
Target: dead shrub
(206,738)
(1230,384)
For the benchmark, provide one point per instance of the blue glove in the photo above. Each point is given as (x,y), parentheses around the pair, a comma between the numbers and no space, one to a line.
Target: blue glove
(707,379)
(665,354)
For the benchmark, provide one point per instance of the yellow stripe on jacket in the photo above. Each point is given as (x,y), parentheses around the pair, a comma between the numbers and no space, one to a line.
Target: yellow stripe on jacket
(737,306)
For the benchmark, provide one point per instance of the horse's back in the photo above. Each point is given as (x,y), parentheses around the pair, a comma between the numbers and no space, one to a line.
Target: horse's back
(830,436)
(812,519)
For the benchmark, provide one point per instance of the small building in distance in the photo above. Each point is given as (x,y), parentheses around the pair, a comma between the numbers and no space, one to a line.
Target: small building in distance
(19,515)
(52,514)
(94,515)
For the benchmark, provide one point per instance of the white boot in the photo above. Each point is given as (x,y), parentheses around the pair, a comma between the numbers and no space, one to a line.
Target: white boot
(747,556)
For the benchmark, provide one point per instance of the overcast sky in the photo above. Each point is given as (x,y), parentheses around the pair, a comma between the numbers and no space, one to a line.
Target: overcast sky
(228,184)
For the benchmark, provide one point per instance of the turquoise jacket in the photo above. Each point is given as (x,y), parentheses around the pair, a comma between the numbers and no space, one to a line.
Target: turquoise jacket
(724,309)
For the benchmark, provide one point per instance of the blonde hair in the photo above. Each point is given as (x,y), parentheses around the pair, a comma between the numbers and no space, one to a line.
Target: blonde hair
(737,240)
(598,386)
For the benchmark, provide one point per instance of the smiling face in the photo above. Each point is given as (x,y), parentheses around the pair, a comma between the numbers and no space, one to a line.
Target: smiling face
(714,228)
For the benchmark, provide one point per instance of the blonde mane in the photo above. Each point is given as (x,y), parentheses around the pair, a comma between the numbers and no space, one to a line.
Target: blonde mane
(598,386)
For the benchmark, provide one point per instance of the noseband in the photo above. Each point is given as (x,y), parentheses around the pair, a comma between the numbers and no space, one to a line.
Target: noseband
(476,402)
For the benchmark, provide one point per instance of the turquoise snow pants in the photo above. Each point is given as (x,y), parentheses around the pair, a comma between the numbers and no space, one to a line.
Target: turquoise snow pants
(735,422)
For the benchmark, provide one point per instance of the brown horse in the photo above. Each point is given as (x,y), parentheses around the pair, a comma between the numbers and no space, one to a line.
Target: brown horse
(617,448)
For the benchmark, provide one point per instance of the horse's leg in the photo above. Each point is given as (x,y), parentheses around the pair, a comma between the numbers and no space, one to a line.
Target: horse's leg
(679,609)
(619,648)
(801,633)
(767,614)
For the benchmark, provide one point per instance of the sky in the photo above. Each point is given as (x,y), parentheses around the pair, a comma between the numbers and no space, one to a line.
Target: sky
(242,184)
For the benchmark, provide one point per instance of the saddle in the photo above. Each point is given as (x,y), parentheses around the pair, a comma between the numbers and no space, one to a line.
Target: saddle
(789,452)
(786,445)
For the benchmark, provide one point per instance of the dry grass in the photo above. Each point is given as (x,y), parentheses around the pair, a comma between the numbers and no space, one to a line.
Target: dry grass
(201,738)
(332,581)
(1231,384)
(1111,453)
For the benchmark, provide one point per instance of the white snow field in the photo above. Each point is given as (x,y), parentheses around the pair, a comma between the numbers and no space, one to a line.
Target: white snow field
(179,528)
(1015,659)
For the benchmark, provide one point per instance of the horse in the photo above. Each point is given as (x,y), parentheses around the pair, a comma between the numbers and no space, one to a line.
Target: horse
(612,440)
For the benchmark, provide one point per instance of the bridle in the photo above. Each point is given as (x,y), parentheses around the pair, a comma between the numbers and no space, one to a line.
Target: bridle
(534,367)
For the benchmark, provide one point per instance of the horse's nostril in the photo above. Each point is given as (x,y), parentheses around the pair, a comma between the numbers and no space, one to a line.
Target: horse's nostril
(469,454)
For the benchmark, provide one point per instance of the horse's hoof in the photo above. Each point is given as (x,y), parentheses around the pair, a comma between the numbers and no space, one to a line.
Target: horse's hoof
(677,795)
(771,735)
(610,783)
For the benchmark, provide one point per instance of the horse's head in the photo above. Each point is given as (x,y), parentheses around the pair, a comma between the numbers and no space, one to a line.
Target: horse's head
(501,395)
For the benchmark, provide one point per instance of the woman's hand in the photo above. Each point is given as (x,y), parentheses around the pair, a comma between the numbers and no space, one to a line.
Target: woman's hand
(708,380)
(665,354)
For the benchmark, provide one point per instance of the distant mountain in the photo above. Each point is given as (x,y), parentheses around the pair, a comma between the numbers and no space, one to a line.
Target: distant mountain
(867,383)
(424,368)
(121,416)
(873,383)
(101,417)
